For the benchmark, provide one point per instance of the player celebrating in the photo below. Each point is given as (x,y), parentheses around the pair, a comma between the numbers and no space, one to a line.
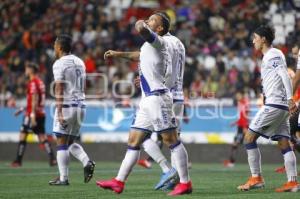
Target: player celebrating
(69,76)
(34,120)
(174,82)
(272,120)
(155,109)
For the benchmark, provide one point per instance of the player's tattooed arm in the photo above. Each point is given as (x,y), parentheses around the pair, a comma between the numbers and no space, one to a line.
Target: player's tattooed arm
(133,56)
(59,90)
(148,35)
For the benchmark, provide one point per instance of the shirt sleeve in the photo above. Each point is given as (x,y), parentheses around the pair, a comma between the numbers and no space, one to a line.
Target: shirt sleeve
(58,71)
(155,40)
(279,64)
(158,42)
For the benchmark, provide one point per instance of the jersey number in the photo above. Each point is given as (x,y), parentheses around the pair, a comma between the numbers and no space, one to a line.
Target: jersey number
(79,80)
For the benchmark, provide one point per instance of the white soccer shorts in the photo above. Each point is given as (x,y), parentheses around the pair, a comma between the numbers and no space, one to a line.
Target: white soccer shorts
(155,114)
(271,122)
(73,115)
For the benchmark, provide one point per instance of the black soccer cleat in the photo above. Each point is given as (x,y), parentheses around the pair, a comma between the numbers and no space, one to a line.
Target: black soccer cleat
(89,171)
(57,182)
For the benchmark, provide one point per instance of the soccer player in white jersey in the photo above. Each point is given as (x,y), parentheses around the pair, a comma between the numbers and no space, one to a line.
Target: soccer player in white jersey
(155,110)
(272,120)
(69,76)
(174,82)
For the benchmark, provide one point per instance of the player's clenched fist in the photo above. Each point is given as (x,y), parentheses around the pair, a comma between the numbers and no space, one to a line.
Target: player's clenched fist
(110,54)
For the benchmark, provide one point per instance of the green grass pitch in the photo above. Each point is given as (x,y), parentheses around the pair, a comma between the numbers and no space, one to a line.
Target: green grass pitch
(209,181)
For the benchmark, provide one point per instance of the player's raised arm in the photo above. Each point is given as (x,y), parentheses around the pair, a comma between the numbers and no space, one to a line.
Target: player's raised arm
(133,56)
(152,33)
(145,32)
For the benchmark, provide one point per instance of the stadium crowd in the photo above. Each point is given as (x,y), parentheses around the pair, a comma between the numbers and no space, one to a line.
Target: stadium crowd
(217,35)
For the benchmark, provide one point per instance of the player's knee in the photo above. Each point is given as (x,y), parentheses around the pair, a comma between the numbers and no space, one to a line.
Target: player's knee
(250,137)
(250,141)
(283,143)
(61,140)
(134,141)
(170,138)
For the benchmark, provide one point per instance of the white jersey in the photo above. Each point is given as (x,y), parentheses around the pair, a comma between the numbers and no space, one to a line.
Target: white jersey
(71,70)
(275,78)
(174,74)
(154,60)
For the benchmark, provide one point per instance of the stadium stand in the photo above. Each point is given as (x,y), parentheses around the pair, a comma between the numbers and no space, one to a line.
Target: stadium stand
(217,34)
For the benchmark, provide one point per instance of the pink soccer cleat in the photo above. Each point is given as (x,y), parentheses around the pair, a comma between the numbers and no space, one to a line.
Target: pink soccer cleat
(113,184)
(182,188)
(280,170)
(145,163)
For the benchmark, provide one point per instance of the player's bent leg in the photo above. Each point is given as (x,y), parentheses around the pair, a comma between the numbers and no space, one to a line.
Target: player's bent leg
(290,166)
(254,159)
(180,156)
(88,165)
(117,184)
(154,151)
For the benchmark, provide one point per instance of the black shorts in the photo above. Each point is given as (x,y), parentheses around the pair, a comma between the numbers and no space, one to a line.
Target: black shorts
(239,136)
(38,129)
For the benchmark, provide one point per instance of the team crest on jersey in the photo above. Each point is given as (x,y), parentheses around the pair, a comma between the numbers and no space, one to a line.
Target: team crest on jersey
(275,62)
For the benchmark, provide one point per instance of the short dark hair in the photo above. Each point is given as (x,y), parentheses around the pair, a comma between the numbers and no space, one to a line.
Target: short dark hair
(32,65)
(65,42)
(165,21)
(267,32)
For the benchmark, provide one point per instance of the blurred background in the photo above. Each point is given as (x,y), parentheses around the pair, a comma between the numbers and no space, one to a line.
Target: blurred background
(220,60)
